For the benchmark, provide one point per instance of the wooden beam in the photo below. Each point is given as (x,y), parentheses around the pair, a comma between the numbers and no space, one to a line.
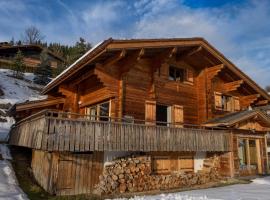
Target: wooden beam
(189,53)
(108,63)
(141,54)
(246,101)
(262,102)
(214,70)
(259,156)
(130,60)
(232,86)
(115,58)
(83,77)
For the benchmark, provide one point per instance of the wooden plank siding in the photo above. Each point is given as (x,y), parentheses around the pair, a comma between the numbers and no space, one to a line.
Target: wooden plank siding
(67,173)
(69,134)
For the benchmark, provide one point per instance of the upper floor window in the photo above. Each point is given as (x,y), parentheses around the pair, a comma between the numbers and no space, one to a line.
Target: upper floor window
(176,74)
(226,102)
(181,74)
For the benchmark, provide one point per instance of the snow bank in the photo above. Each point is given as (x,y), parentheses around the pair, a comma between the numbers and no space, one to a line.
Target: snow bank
(175,196)
(261,181)
(9,188)
(17,90)
(259,189)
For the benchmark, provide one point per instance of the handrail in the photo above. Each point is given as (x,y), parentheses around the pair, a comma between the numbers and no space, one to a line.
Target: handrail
(77,116)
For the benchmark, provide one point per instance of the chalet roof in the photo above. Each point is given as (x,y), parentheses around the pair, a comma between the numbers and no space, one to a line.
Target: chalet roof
(112,45)
(29,47)
(236,117)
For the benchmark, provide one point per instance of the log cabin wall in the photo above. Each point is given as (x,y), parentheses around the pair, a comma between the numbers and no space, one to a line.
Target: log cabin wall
(66,173)
(142,84)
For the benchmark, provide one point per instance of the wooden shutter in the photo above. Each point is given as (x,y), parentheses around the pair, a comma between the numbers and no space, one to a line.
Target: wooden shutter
(189,75)
(186,163)
(112,110)
(177,115)
(161,164)
(236,103)
(218,101)
(229,104)
(150,112)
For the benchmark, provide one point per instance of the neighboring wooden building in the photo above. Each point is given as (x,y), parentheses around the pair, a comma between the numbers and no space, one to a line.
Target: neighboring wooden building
(31,56)
(179,101)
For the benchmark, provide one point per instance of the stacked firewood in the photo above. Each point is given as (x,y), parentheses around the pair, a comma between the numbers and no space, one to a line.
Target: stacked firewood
(134,175)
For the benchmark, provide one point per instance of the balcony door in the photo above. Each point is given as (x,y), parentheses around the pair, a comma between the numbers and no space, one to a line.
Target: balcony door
(163,115)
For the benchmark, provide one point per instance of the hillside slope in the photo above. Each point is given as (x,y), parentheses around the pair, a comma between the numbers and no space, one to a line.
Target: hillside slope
(13,91)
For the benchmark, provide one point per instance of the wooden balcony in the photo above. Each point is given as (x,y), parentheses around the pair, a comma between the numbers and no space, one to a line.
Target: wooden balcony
(50,132)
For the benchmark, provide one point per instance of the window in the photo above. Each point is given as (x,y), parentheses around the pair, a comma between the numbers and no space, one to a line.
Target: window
(99,111)
(176,74)
(226,102)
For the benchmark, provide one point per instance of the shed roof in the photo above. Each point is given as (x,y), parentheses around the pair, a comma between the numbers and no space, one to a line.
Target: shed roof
(236,117)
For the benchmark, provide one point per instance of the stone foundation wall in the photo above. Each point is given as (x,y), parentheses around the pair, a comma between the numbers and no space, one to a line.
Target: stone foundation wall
(134,174)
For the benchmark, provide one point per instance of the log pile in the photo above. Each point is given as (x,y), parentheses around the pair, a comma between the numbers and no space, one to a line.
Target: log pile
(133,174)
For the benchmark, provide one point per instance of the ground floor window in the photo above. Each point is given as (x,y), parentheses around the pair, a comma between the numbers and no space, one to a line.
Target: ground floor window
(100,112)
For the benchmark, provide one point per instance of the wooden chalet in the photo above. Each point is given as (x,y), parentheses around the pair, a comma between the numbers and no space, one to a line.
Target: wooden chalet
(31,56)
(178,101)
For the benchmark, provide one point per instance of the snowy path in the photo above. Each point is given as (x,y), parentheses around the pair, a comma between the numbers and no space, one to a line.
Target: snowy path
(259,189)
(9,189)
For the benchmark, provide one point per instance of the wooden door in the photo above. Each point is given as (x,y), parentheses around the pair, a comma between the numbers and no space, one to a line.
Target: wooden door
(177,115)
(65,176)
(150,112)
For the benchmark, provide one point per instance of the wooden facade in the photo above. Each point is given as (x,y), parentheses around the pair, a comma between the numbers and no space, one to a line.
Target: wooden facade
(67,173)
(31,55)
(158,96)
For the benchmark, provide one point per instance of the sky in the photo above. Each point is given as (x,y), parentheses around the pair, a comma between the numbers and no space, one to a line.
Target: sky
(240,29)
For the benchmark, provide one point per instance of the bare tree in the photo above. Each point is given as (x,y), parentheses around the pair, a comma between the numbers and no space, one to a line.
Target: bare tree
(32,35)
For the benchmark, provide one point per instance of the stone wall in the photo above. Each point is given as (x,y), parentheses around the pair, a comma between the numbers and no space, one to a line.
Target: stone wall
(134,174)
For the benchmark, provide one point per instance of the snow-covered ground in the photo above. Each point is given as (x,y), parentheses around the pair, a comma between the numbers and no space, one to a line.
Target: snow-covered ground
(259,189)
(15,91)
(9,188)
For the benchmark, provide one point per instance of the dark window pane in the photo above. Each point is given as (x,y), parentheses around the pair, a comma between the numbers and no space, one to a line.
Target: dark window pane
(104,111)
(172,74)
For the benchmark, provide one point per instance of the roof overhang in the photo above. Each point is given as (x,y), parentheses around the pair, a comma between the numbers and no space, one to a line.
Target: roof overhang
(132,44)
(38,104)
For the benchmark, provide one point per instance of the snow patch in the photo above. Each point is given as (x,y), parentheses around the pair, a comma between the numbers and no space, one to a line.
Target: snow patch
(172,196)
(261,181)
(9,187)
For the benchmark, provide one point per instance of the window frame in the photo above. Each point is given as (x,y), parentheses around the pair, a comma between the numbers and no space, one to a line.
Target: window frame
(179,69)
(97,108)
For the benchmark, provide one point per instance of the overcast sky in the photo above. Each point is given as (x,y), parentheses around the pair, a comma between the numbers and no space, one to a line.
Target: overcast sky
(239,29)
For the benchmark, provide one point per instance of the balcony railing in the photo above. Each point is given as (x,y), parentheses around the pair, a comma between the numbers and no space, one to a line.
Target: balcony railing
(59,131)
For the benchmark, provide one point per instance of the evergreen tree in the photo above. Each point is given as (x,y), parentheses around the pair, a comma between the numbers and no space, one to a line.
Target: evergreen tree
(18,66)
(43,72)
